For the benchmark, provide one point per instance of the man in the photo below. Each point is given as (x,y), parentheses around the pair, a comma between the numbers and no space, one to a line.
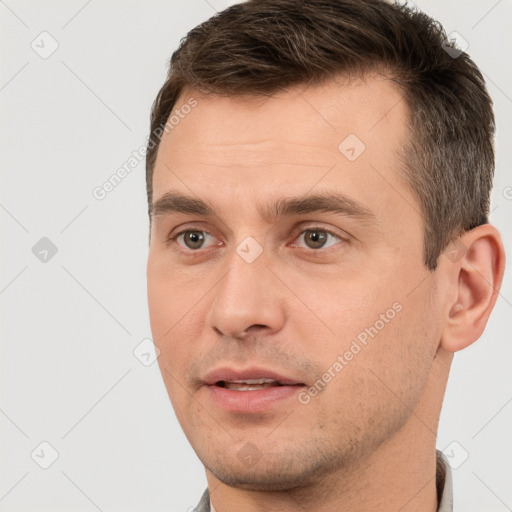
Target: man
(318,181)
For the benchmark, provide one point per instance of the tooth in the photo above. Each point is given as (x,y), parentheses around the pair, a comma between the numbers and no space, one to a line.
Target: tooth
(244,386)
(253,381)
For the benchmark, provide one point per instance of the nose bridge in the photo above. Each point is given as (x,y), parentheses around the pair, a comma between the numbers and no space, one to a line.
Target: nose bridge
(245,296)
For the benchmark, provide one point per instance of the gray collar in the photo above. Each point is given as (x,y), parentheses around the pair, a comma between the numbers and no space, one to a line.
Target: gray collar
(443,483)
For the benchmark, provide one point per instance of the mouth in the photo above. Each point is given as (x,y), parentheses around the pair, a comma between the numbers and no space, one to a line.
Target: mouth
(251,390)
(254,377)
(249,384)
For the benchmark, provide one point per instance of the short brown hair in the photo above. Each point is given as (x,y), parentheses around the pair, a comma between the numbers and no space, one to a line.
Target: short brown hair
(261,47)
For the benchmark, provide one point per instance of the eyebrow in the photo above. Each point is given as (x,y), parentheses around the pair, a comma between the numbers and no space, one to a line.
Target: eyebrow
(331,202)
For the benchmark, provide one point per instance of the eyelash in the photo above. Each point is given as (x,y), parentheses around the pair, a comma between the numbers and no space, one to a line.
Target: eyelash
(173,239)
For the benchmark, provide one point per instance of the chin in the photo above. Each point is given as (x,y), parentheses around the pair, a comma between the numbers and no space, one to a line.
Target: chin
(281,473)
(260,479)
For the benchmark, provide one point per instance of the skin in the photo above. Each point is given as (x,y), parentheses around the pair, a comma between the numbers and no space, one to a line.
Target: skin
(367,440)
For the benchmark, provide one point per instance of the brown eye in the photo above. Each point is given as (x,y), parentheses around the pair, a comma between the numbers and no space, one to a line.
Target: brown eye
(315,238)
(193,239)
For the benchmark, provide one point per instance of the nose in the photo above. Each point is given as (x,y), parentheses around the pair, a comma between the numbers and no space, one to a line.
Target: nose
(249,300)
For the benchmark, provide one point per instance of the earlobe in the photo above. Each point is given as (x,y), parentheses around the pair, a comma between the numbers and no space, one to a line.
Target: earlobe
(477,278)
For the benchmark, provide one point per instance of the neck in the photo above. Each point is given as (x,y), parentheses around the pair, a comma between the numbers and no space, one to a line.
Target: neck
(399,475)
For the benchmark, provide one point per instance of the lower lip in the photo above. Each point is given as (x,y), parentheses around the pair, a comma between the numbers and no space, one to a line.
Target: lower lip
(251,401)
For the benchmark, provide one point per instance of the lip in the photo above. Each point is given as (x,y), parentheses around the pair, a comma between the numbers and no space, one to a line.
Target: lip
(247,402)
(226,373)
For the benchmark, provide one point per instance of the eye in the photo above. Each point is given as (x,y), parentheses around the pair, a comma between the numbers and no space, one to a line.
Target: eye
(192,239)
(318,238)
(315,238)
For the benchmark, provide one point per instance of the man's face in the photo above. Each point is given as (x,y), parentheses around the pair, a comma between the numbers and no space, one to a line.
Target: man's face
(253,291)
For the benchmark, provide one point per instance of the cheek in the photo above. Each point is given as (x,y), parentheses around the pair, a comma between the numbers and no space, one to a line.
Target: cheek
(400,356)
(344,309)
(170,298)
(172,309)
(375,325)
(382,377)
(173,332)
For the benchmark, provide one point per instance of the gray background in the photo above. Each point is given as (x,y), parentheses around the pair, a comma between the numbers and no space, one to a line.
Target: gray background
(70,323)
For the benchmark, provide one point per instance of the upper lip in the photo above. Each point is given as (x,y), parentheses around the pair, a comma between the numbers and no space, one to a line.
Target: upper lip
(226,374)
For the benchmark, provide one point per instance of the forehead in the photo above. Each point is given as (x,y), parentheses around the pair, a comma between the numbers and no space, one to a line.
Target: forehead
(305,115)
(346,134)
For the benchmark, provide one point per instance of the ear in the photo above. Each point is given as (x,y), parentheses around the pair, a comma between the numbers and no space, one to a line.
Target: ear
(475,267)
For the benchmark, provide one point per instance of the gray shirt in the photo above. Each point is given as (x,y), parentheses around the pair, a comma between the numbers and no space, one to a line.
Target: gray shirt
(443,484)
